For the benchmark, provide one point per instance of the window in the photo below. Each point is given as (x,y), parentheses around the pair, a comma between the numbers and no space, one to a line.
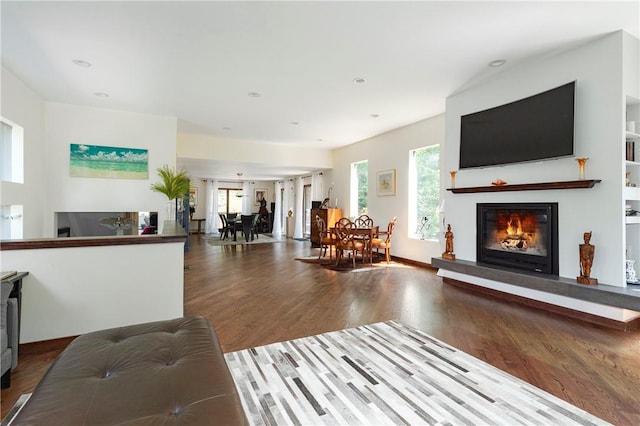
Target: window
(306,203)
(359,188)
(229,201)
(11,152)
(11,222)
(424,190)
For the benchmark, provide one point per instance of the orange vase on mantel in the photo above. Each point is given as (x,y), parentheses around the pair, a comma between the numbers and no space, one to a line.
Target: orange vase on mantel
(582,161)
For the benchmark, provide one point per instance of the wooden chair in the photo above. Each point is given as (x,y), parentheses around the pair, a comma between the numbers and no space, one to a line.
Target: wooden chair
(364,221)
(345,241)
(384,243)
(326,238)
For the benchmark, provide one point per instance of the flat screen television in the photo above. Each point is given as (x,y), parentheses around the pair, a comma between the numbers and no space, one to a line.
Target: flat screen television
(531,129)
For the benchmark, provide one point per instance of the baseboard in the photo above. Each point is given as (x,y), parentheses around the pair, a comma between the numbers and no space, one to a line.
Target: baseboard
(582,316)
(43,346)
(413,262)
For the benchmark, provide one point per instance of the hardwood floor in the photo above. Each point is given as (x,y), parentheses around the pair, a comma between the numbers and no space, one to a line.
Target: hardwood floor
(258,294)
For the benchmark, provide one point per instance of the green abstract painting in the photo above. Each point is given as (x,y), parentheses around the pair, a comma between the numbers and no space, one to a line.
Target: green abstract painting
(108,162)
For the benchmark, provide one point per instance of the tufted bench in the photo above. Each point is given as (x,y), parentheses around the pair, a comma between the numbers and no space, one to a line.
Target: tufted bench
(166,372)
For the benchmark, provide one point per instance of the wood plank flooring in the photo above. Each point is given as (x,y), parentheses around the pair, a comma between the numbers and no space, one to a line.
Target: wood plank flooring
(258,294)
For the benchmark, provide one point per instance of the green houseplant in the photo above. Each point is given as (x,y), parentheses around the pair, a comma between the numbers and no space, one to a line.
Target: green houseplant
(173,184)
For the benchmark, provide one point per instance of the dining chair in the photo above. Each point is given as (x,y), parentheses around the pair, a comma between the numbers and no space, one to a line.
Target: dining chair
(384,243)
(326,238)
(255,227)
(246,221)
(364,221)
(224,231)
(345,241)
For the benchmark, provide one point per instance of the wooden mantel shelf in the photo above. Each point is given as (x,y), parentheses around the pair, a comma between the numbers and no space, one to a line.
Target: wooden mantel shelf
(569,184)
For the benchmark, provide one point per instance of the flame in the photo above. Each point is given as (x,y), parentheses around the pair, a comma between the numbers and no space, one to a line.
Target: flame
(514,228)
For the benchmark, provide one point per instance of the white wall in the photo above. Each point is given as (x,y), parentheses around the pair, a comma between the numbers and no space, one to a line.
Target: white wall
(66,124)
(390,151)
(71,291)
(25,108)
(597,68)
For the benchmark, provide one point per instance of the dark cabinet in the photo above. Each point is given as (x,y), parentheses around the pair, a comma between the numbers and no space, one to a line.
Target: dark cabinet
(330,216)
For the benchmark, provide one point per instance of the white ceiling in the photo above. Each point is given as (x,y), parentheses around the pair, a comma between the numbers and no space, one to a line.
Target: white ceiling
(199,61)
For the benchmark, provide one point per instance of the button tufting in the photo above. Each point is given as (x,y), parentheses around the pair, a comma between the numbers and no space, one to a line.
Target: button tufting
(107,374)
(170,362)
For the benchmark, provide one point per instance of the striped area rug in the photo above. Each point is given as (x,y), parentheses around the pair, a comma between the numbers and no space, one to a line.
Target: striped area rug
(386,373)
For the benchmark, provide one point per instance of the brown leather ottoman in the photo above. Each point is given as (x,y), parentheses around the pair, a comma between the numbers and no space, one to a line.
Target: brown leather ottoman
(167,372)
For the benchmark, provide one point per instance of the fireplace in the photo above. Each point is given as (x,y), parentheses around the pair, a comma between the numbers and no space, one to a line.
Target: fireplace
(518,235)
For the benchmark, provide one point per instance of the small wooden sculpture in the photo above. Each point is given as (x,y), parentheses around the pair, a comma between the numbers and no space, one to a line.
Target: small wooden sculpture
(448,245)
(587,250)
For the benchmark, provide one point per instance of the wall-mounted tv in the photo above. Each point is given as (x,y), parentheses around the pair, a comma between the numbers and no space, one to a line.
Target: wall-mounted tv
(531,129)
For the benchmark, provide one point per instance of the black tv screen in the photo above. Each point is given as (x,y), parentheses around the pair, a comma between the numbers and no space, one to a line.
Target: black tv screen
(535,128)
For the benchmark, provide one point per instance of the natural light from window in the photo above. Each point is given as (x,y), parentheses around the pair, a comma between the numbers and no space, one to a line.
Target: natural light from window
(424,192)
(11,152)
(11,222)
(359,188)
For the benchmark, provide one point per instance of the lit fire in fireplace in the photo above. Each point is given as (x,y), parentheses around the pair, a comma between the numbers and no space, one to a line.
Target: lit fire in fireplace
(516,231)
(518,235)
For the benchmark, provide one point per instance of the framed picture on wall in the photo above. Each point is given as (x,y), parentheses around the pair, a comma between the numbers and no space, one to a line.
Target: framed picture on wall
(259,195)
(386,182)
(95,161)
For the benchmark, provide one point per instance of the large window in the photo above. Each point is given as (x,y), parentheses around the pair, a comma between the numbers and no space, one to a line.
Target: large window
(229,201)
(11,222)
(11,152)
(306,203)
(359,188)
(424,190)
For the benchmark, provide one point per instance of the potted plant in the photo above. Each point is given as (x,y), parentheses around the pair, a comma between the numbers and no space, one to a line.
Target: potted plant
(173,184)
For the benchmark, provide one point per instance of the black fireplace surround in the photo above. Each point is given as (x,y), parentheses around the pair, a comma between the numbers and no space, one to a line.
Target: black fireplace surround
(518,235)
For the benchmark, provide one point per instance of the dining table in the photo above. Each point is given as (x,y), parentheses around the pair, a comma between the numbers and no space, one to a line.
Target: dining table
(366,235)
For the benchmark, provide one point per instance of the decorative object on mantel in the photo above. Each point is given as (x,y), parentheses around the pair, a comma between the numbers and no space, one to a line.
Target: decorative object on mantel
(498,182)
(632,277)
(570,184)
(582,161)
(587,251)
(448,245)
(174,185)
(116,223)
(453,178)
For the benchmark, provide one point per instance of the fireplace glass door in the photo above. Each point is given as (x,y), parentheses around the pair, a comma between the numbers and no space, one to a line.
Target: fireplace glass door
(517,235)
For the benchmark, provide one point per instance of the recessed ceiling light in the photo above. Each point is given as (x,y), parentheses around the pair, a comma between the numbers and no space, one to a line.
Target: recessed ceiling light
(295,123)
(319,140)
(81,63)
(226,128)
(375,115)
(359,80)
(497,63)
(254,94)
(101,94)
